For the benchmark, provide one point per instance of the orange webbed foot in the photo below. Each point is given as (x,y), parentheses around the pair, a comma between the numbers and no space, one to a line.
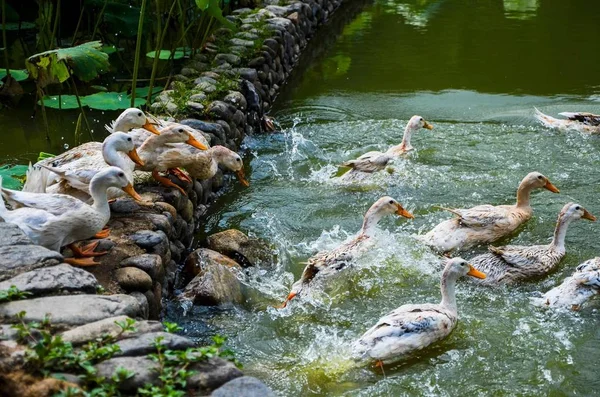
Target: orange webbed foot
(83,262)
(87,250)
(102,234)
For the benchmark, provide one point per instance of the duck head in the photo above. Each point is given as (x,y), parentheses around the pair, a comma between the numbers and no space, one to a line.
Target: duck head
(114,177)
(134,118)
(230,160)
(417,122)
(458,267)
(178,134)
(535,180)
(121,142)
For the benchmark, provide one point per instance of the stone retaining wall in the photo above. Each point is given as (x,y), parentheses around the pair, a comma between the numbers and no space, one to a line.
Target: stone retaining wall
(225,91)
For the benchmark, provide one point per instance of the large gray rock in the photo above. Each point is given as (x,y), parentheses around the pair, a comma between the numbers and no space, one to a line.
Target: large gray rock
(144,369)
(108,326)
(11,234)
(215,283)
(245,386)
(53,280)
(144,344)
(209,374)
(150,263)
(133,279)
(17,259)
(72,309)
(243,249)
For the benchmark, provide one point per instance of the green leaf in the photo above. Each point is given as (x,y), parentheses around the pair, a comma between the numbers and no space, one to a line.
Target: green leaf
(166,54)
(202,4)
(99,100)
(214,10)
(110,101)
(13,176)
(15,25)
(142,92)
(17,74)
(44,155)
(110,49)
(66,102)
(86,61)
(99,88)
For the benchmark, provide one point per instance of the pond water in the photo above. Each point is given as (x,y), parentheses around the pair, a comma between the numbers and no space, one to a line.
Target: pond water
(475,70)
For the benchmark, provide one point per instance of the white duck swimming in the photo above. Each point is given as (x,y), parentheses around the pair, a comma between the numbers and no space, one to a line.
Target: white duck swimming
(327,263)
(576,121)
(203,164)
(576,289)
(512,263)
(486,223)
(118,150)
(375,161)
(413,327)
(57,220)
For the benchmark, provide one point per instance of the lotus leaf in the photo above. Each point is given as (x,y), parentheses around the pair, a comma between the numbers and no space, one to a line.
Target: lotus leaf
(13,176)
(86,61)
(17,74)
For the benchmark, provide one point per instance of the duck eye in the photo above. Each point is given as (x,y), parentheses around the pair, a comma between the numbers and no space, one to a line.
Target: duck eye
(578,208)
(121,174)
(391,201)
(420,118)
(140,114)
(540,177)
(239,160)
(180,130)
(128,139)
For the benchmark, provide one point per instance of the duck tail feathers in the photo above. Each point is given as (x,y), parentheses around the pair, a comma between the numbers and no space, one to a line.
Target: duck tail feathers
(546,120)
(37,179)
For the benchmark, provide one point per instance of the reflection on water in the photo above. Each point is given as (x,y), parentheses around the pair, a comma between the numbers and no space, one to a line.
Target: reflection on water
(476,75)
(520,9)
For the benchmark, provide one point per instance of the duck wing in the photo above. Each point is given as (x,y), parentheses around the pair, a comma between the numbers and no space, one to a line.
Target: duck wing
(520,256)
(480,216)
(408,328)
(55,204)
(369,162)
(583,117)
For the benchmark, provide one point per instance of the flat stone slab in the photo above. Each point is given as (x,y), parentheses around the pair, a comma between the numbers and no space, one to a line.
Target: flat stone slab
(144,344)
(17,259)
(144,369)
(53,280)
(244,386)
(108,326)
(72,309)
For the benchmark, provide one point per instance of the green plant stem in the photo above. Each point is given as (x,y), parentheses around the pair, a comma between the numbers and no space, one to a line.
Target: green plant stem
(40,95)
(159,43)
(99,19)
(4,40)
(55,28)
(79,103)
(78,25)
(138,47)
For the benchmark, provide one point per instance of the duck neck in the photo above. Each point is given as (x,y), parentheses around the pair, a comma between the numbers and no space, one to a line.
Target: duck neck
(150,144)
(405,144)
(115,158)
(99,196)
(560,232)
(523,195)
(447,286)
(370,222)
(218,153)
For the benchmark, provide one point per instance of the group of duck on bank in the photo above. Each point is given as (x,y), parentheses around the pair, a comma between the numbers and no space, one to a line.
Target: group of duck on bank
(66,199)
(414,326)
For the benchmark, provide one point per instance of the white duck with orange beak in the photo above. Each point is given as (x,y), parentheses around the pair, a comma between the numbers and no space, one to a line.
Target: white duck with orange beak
(327,263)
(410,328)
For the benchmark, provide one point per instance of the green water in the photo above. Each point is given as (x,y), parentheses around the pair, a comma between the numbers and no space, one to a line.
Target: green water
(474,69)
